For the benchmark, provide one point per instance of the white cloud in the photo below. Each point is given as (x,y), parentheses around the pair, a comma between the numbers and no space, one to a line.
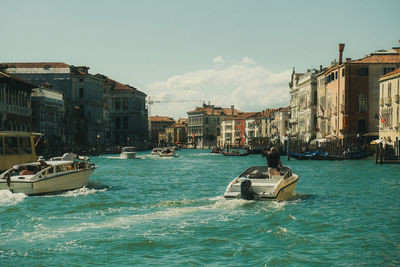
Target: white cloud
(247,60)
(248,87)
(218,59)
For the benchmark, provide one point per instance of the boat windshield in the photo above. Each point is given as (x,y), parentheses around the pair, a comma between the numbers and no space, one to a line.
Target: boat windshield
(128,149)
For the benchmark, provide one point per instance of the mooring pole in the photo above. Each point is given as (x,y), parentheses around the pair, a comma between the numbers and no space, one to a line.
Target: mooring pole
(288,149)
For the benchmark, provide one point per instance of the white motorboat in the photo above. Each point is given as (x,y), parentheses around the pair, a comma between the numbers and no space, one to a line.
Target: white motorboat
(156,151)
(128,152)
(167,152)
(49,176)
(254,183)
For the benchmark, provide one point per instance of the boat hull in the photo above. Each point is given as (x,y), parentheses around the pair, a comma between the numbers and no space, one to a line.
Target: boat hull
(268,189)
(50,184)
(128,155)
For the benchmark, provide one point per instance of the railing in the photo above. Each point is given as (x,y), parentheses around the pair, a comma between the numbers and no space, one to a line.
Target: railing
(388,101)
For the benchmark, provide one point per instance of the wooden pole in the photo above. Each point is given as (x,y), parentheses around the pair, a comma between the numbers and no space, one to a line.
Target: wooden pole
(381,153)
(288,149)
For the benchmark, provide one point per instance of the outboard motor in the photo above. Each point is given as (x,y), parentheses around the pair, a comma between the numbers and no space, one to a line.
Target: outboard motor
(246,190)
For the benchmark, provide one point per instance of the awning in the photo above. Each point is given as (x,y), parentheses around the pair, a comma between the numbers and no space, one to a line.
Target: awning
(371,134)
(377,141)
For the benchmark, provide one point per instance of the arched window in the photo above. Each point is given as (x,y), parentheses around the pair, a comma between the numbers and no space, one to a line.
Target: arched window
(362,103)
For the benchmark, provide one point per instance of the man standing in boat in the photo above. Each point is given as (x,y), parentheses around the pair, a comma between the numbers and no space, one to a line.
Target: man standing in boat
(273,162)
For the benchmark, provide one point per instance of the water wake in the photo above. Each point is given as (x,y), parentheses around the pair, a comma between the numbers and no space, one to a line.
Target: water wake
(7,198)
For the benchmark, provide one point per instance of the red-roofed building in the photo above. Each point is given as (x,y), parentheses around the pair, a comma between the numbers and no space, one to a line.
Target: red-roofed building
(158,130)
(352,94)
(204,124)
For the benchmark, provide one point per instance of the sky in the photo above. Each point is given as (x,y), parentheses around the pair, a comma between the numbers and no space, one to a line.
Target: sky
(182,52)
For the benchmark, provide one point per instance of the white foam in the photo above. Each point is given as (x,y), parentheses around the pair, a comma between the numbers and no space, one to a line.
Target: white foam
(7,198)
(84,191)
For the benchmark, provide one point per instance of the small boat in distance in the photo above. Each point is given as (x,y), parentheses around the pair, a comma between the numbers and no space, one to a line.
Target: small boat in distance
(49,176)
(128,152)
(235,153)
(167,152)
(156,151)
(254,184)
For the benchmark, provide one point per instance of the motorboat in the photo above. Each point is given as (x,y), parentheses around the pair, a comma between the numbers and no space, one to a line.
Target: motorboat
(167,152)
(128,152)
(254,184)
(235,153)
(156,151)
(49,176)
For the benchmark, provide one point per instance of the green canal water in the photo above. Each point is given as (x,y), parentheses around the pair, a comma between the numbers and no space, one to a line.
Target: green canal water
(170,212)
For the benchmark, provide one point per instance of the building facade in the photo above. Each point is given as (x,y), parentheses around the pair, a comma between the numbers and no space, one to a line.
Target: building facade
(48,117)
(389,106)
(159,124)
(15,103)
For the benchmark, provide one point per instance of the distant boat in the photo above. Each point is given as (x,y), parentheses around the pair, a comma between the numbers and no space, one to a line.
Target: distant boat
(167,153)
(316,155)
(128,152)
(235,153)
(156,151)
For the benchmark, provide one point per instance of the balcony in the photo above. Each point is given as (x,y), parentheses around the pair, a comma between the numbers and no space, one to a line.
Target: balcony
(388,101)
(396,99)
(381,102)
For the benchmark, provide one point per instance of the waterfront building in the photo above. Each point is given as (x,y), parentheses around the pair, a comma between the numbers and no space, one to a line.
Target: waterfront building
(389,106)
(48,117)
(280,128)
(204,124)
(250,128)
(176,133)
(227,135)
(15,103)
(87,97)
(322,125)
(352,93)
(158,130)
(128,116)
(303,103)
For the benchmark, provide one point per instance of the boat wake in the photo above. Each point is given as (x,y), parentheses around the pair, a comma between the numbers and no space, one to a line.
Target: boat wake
(84,191)
(7,198)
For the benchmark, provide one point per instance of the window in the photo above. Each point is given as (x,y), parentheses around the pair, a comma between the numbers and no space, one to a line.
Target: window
(336,75)
(117,104)
(363,72)
(361,126)
(81,93)
(125,123)
(11,145)
(342,72)
(125,104)
(387,70)
(315,97)
(362,103)
(1,142)
(80,79)
(389,89)
(118,123)
(25,145)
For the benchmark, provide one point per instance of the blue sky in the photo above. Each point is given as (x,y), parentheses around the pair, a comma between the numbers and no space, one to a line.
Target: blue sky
(226,52)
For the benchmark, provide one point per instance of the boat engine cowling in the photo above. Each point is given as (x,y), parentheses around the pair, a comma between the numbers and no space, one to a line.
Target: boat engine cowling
(246,190)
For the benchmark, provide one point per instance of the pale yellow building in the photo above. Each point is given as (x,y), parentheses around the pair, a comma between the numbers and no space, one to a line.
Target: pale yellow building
(389,106)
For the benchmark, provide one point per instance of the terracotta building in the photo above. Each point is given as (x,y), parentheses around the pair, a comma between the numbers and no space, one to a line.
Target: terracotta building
(158,130)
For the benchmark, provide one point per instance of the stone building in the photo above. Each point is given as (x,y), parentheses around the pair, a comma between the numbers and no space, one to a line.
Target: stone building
(128,116)
(227,136)
(87,97)
(389,106)
(158,130)
(352,93)
(303,103)
(48,117)
(176,134)
(204,124)
(15,103)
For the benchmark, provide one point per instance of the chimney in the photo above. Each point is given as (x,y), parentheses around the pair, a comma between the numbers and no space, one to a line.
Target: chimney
(212,110)
(233,110)
(341,48)
(320,67)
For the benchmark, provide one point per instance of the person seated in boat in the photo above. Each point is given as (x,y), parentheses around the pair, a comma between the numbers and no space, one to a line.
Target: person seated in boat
(273,162)
(26,171)
(42,164)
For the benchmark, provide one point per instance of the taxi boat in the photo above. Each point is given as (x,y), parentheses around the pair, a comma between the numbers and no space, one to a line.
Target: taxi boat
(254,184)
(49,176)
